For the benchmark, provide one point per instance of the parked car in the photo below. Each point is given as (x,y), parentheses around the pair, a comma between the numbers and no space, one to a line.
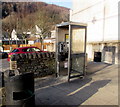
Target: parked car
(24,50)
(3,55)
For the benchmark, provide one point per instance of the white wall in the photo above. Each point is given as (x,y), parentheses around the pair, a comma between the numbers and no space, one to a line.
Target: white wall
(61,36)
(30,42)
(14,35)
(101,17)
(111,20)
(47,40)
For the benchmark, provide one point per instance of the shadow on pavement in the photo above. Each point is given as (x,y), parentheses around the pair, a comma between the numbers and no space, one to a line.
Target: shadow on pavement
(89,90)
(94,67)
(74,93)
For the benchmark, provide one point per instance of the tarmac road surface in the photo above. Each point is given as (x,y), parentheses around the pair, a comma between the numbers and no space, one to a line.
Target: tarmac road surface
(4,65)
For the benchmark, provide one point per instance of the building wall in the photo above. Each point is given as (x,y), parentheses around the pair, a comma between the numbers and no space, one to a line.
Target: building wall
(102,19)
(61,36)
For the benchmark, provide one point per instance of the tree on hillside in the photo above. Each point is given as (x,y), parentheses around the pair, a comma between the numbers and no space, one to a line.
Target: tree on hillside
(24,24)
(45,23)
(46,20)
(17,21)
(24,16)
(7,26)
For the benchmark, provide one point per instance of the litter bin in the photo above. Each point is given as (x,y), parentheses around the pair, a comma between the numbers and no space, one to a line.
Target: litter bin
(20,90)
(97,56)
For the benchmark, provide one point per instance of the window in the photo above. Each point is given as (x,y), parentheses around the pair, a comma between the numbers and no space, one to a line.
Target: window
(24,50)
(31,50)
(15,50)
(36,49)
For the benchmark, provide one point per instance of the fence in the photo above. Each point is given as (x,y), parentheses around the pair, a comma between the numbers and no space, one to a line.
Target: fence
(37,44)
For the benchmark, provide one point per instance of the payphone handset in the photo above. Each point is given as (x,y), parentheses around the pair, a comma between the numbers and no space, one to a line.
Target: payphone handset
(62,47)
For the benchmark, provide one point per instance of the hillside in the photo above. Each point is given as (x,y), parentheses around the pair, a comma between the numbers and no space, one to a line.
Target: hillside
(23,16)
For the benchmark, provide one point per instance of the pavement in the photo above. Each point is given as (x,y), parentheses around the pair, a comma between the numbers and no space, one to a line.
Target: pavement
(99,87)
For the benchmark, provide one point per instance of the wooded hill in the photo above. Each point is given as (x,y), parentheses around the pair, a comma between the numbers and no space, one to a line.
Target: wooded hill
(23,16)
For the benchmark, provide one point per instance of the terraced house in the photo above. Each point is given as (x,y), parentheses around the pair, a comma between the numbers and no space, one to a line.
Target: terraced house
(101,17)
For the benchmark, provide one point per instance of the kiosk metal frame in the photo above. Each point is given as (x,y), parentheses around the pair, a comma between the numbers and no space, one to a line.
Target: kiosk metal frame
(76,59)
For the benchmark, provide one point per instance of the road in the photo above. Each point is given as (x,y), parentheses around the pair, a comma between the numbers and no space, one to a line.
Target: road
(4,65)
